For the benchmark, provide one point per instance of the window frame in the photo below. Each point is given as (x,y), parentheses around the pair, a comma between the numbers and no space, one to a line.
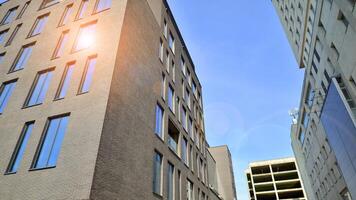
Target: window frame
(95,11)
(38,19)
(63,80)
(19,55)
(85,73)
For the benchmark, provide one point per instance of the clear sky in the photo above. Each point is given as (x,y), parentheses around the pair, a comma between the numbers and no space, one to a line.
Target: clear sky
(249,75)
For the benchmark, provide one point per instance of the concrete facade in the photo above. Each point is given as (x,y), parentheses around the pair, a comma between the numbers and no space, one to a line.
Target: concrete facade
(225,173)
(323,38)
(274,180)
(110,142)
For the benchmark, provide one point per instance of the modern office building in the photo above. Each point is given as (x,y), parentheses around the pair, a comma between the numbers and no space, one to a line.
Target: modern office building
(322,34)
(99,99)
(225,172)
(275,179)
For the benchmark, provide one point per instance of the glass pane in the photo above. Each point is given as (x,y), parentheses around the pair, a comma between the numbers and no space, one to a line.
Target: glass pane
(157,173)
(62,42)
(58,141)
(41,22)
(103,4)
(85,37)
(89,75)
(82,10)
(23,58)
(21,148)
(2,36)
(159,118)
(40,89)
(67,14)
(66,81)
(170,182)
(5,95)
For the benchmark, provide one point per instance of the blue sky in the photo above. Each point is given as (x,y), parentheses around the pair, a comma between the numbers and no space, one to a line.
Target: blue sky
(249,75)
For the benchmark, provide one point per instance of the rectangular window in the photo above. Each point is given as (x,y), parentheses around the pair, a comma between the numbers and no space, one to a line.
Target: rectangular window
(61,43)
(64,85)
(157,173)
(85,37)
(187,97)
(3,35)
(51,142)
(9,16)
(190,127)
(171,42)
(20,148)
(24,8)
(165,28)
(39,25)
(39,87)
(182,65)
(170,182)
(184,151)
(171,98)
(173,137)
(194,88)
(2,55)
(102,5)
(160,53)
(190,191)
(184,118)
(5,93)
(173,71)
(83,7)
(13,34)
(191,159)
(88,75)
(47,3)
(66,15)
(22,57)
(163,88)
(159,121)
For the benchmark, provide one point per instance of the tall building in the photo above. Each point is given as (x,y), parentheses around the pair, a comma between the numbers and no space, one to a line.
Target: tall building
(322,34)
(225,172)
(275,179)
(99,99)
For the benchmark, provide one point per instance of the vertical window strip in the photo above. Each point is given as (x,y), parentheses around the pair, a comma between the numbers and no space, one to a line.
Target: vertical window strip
(13,34)
(67,13)
(9,16)
(51,142)
(157,173)
(64,84)
(61,44)
(102,5)
(159,121)
(82,9)
(40,87)
(39,25)
(170,182)
(5,93)
(20,148)
(24,8)
(22,57)
(3,35)
(88,75)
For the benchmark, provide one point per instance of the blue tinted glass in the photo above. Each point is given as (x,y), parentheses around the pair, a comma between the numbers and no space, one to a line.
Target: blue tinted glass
(5,95)
(157,174)
(52,143)
(2,36)
(66,81)
(89,75)
(10,15)
(170,98)
(103,4)
(23,58)
(83,9)
(21,148)
(2,57)
(40,90)
(40,25)
(61,44)
(159,118)
(170,182)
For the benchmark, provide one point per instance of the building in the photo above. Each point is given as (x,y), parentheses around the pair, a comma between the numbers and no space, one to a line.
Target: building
(275,179)
(225,181)
(99,99)
(322,35)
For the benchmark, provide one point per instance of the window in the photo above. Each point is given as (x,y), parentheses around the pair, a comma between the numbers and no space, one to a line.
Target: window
(39,25)
(3,35)
(184,150)
(201,169)
(83,7)
(51,142)
(194,88)
(20,148)
(24,8)
(343,19)
(184,118)
(173,137)
(163,88)
(171,98)
(190,127)
(65,17)
(5,93)
(182,65)
(2,55)
(85,37)
(47,3)
(345,194)
(165,28)
(22,57)
(157,173)
(190,191)
(39,88)
(168,61)
(159,121)
(170,182)
(9,16)
(160,53)
(301,136)
(191,159)
(173,71)
(171,42)
(88,75)
(64,85)
(187,97)
(13,34)
(61,43)
(102,5)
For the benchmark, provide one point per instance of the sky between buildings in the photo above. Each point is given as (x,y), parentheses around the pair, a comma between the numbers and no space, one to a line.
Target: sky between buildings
(249,75)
